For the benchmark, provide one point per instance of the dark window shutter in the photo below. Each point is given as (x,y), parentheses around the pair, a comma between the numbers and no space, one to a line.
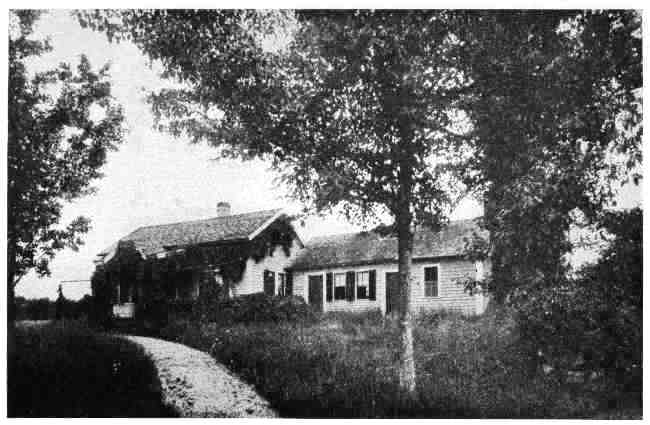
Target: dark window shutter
(269,283)
(372,285)
(349,286)
(289,284)
(329,277)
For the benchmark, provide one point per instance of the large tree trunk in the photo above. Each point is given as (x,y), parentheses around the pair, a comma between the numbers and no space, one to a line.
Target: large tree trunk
(404,220)
(407,361)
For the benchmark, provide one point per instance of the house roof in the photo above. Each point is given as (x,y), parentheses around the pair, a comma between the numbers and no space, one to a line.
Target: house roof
(371,248)
(151,240)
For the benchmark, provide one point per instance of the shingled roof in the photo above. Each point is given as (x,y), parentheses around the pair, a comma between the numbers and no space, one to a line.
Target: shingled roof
(370,248)
(150,240)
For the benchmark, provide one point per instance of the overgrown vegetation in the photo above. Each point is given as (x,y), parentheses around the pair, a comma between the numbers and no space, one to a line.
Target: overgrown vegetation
(70,371)
(346,365)
(260,308)
(594,322)
(46,309)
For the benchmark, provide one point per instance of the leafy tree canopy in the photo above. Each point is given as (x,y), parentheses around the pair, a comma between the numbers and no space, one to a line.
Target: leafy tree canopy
(406,110)
(556,116)
(529,93)
(350,96)
(356,112)
(62,122)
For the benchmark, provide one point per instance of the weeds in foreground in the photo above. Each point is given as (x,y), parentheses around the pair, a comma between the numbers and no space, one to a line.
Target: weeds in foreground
(345,366)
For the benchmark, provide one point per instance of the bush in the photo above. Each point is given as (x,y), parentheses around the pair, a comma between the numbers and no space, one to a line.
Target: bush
(71,371)
(45,309)
(101,313)
(592,323)
(261,308)
(34,309)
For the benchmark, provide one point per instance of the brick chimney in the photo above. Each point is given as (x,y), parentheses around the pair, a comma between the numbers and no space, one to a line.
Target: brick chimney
(223,209)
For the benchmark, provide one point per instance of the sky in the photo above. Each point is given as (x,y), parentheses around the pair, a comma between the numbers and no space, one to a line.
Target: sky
(155,178)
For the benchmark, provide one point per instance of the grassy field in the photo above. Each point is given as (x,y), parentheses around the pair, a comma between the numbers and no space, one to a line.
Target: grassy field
(71,371)
(345,366)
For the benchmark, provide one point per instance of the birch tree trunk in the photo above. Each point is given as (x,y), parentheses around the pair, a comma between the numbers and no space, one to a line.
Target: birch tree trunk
(404,220)
(407,362)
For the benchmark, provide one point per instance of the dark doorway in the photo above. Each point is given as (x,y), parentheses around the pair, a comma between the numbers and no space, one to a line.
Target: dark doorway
(393,304)
(316,292)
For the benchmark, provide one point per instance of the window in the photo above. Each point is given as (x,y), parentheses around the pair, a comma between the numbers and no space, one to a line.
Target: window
(362,284)
(431,281)
(282,284)
(339,286)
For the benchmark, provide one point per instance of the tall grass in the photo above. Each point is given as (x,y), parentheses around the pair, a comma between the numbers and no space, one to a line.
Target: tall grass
(70,371)
(346,366)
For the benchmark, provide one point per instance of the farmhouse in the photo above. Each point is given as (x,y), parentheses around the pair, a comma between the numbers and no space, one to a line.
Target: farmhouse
(358,271)
(242,253)
(261,252)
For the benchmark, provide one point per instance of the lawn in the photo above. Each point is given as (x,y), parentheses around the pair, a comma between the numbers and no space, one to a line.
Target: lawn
(345,366)
(71,371)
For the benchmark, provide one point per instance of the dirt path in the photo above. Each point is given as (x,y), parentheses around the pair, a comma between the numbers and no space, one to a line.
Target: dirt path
(196,385)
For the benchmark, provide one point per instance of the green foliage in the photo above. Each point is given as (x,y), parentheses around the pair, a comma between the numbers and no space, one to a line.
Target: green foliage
(56,146)
(345,365)
(536,151)
(102,305)
(343,79)
(260,308)
(44,309)
(34,309)
(594,322)
(357,113)
(70,371)
(556,123)
(232,257)
(385,111)
(210,295)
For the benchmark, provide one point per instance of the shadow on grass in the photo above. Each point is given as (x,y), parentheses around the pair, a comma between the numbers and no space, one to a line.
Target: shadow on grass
(71,371)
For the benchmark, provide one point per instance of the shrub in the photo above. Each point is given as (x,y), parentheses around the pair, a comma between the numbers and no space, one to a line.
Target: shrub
(34,309)
(366,318)
(262,308)
(100,316)
(45,309)
(71,371)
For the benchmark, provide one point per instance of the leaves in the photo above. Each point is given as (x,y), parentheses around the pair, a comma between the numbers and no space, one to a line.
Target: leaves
(550,88)
(56,148)
(332,111)
(406,112)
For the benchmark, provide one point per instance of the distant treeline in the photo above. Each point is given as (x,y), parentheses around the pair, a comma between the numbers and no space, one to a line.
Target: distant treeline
(46,309)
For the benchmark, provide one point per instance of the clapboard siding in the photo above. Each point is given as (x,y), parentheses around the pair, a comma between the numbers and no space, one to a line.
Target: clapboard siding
(300,280)
(451,294)
(252,280)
